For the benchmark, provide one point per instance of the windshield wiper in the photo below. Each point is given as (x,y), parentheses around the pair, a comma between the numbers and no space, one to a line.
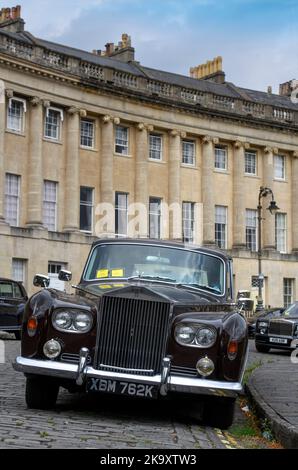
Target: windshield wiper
(152,278)
(200,286)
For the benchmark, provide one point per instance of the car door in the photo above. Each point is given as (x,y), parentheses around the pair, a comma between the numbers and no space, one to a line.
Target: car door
(11,298)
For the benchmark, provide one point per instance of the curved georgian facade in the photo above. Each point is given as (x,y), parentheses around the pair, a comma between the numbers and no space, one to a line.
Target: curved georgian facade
(83,135)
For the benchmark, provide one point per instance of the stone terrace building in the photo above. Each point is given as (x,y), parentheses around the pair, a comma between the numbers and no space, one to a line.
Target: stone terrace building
(78,129)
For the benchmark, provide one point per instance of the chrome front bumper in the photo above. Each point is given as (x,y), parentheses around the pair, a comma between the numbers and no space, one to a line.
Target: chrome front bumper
(165,381)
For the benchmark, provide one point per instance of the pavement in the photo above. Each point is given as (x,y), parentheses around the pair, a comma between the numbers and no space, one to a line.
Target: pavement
(273,391)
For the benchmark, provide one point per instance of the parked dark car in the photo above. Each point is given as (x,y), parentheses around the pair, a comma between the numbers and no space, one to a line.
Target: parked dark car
(13,298)
(263,315)
(148,319)
(278,331)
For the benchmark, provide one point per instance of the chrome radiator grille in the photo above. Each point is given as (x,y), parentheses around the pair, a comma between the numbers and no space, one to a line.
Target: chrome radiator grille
(132,335)
(281,328)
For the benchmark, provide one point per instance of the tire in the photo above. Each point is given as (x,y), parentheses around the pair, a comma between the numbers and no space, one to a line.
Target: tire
(262,349)
(219,412)
(41,393)
(18,335)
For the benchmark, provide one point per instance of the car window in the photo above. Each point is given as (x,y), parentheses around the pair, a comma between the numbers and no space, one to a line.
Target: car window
(10,290)
(291,310)
(178,266)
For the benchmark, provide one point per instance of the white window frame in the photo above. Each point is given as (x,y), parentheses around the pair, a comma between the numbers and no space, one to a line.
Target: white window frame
(21,129)
(288,291)
(248,216)
(125,145)
(89,121)
(185,156)
(16,196)
(225,224)
(153,149)
(52,202)
(188,221)
(118,210)
(251,153)
(59,127)
(15,265)
(278,158)
(84,203)
(281,230)
(221,148)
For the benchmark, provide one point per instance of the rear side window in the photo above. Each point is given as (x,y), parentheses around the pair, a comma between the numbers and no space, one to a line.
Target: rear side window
(10,290)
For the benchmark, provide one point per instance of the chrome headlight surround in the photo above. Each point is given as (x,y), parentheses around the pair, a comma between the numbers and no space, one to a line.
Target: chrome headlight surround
(72,320)
(195,335)
(263,324)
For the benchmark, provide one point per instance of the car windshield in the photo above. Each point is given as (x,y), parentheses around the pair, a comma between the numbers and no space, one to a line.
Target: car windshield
(173,265)
(292,310)
(10,290)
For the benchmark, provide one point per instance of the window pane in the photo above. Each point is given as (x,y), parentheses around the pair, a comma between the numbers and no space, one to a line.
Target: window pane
(155,147)
(221,226)
(121,140)
(15,115)
(251,163)
(288,292)
(50,205)
(251,230)
(12,184)
(86,209)
(281,232)
(188,221)
(221,158)
(87,133)
(188,152)
(154,217)
(52,124)
(121,214)
(279,167)
(18,270)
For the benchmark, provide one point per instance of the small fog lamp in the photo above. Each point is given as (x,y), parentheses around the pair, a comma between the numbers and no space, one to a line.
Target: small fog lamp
(205,366)
(52,349)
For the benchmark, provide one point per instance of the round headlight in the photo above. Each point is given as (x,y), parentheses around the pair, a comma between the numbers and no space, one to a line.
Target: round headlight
(205,337)
(184,334)
(263,324)
(82,322)
(62,320)
(205,366)
(52,349)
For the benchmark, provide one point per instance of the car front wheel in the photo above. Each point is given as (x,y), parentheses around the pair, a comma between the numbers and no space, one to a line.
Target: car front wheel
(262,349)
(41,393)
(219,412)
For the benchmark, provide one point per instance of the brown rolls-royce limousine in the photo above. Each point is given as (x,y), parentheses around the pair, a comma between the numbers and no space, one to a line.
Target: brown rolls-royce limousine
(148,319)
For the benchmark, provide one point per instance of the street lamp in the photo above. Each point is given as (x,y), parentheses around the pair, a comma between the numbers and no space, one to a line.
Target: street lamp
(264,192)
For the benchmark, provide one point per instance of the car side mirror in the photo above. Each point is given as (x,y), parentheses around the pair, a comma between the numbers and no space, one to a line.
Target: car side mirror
(64,275)
(245,304)
(40,280)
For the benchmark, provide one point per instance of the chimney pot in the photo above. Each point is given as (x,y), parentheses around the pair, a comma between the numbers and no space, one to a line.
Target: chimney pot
(269,90)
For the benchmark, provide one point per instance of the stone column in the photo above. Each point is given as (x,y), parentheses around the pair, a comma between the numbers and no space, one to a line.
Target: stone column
(174,201)
(141,182)
(72,172)
(295,202)
(208,191)
(35,167)
(107,170)
(239,237)
(268,219)
(2,134)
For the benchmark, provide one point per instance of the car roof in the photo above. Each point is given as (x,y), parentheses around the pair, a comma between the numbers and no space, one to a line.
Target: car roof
(165,243)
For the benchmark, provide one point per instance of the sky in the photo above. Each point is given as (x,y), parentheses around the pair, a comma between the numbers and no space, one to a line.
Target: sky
(258,39)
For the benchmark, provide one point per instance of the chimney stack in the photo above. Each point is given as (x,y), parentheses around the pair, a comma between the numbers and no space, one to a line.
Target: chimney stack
(123,51)
(211,70)
(287,88)
(10,19)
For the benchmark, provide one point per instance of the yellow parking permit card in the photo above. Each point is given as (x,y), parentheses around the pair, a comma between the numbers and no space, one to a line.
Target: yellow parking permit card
(117,272)
(102,273)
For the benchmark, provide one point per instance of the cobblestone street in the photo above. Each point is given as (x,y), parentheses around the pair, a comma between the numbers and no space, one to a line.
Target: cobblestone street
(95,422)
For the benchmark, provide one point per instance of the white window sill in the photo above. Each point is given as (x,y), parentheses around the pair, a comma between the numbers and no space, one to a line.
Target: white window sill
(52,141)
(251,175)
(191,167)
(90,149)
(280,180)
(222,172)
(19,133)
(159,162)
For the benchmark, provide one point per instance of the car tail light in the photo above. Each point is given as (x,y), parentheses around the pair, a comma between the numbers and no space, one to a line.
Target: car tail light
(32,326)
(232,349)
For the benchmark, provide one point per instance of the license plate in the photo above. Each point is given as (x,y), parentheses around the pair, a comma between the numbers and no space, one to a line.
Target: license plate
(121,388)
(278,340)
